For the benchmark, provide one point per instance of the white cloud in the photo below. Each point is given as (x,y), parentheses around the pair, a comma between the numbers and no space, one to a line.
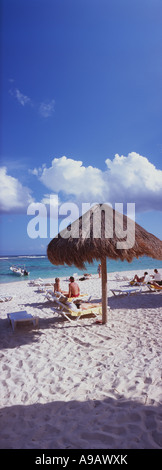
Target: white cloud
(34,172)
(14,197)
(129,178)
(135,179)
(46,109)
(51,199)
(71,177)
(21,98)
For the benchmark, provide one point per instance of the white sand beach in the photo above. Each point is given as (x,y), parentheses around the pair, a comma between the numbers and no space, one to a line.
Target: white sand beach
(81,385)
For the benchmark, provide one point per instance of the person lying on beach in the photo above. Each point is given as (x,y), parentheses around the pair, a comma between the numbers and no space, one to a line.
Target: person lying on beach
(86,305)
(139,279)
(85,277)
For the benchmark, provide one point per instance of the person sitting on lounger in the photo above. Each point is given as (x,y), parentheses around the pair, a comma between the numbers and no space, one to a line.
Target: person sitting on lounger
(74,290)
(139,279)
(157,281)
(57,287)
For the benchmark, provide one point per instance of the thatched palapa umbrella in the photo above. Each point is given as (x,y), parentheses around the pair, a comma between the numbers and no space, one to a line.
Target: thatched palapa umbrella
(100,233)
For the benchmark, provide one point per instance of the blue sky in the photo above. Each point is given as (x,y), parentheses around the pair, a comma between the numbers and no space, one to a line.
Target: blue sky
(81,110)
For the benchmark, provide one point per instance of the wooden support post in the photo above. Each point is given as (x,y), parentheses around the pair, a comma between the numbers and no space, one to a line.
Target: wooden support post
(104,289)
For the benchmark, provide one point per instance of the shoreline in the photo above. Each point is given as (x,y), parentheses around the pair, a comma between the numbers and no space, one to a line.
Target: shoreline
(79,385)
(110,276)
(44,269)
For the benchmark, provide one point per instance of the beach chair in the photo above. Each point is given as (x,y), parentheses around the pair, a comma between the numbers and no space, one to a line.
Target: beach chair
(35,282)
(48,284)
(123,278)
(21,316)
(52,296)
(137,283)
(128,291)
(40,283)
(69,309)
(5,298)
(43,288)
(154,288)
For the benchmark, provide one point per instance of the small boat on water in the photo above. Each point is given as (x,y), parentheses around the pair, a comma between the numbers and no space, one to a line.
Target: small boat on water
(19,271)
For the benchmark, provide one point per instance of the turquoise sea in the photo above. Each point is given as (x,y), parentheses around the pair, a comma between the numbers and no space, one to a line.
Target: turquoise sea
(39,266)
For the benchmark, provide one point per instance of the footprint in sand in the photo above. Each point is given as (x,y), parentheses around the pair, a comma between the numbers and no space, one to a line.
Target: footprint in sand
(4,383)
(20,363)
(148,380)
(5,367)
(7,370)
(24,397)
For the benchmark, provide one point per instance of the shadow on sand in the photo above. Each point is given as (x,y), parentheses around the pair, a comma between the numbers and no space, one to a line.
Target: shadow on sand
(134,301)
(92,424)
(24,333)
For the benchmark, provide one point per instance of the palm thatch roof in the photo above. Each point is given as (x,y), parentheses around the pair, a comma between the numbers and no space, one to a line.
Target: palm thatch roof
(88,239)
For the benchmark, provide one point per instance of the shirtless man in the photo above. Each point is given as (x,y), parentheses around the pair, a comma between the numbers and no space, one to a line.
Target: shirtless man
(74,290)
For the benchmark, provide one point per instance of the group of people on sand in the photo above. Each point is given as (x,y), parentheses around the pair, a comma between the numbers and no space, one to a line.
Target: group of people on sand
(74,290)
(156,278)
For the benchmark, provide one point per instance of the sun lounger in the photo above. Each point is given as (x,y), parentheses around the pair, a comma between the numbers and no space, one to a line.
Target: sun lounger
(68,308)
(51,295)
(40,283)
(33,282)
(21,316)
(60,310)
(42,288)
(76,314)
(126,291)
(123,278)
(5,298)
(154,288)
(138,283)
